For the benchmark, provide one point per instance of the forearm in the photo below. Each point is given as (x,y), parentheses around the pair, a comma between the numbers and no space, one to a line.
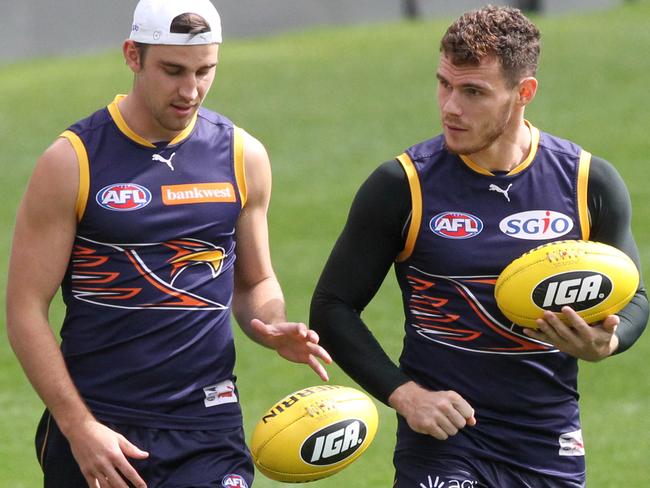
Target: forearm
(359,262)
(38,352)
(634,318)
(353,346)
(263,301)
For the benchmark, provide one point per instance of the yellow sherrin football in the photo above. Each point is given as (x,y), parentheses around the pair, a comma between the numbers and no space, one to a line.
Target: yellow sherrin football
(313,433)
(593,278)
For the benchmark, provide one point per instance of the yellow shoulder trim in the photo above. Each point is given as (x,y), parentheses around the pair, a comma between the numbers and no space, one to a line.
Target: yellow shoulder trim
(84,171)
(583,183)
(416,203)
(114,110)
(240,169)
(534,144)
(185,132)
(123,126)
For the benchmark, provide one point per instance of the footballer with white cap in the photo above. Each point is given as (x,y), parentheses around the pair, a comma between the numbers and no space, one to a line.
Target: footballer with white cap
(136,212)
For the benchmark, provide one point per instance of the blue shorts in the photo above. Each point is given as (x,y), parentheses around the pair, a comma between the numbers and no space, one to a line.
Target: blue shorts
(448,470)
(177,458)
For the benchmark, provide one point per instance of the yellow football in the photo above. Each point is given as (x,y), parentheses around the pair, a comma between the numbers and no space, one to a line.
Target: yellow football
(313,433)
(593,278)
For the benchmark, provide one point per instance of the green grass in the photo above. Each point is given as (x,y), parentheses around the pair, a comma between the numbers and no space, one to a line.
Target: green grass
(330,105)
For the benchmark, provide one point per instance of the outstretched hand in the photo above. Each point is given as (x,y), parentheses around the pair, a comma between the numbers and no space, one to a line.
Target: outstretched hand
(294,342)
(579,339)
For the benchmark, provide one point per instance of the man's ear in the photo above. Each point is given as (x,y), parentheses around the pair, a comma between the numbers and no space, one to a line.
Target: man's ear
(527,90)
(132,55)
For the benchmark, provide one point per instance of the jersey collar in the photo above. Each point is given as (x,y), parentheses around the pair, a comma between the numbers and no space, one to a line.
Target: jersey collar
(534,133)
(116,115)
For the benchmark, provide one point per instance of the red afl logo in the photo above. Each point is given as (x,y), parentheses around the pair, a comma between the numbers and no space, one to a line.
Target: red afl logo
(456,225)
(234,481)
(123,197)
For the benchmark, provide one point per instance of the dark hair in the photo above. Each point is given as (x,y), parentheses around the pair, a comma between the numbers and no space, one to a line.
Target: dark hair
(503,32)
(187,23)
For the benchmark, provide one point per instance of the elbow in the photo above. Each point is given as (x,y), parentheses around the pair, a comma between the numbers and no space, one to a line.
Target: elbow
(318,311)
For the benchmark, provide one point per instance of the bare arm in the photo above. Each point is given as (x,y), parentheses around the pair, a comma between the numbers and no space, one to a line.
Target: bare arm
(43,239)
(258,302)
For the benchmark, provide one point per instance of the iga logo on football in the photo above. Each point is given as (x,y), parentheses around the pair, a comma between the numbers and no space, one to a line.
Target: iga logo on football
(123,197)
(536,225)
(334,443)
(456,225)
(579,289)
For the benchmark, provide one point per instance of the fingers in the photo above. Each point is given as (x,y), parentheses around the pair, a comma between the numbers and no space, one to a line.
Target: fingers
(296,342)
(611,323)
(125,467)
(439,414)
(112,470)
(131,450)
(577,338)
(318,368)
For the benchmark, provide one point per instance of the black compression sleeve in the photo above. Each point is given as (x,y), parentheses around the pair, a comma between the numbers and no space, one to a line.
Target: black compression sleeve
(373,236)
(357,266)
(610,211)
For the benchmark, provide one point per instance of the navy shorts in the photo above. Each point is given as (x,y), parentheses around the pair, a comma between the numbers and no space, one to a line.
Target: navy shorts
(447,471)
(177,458)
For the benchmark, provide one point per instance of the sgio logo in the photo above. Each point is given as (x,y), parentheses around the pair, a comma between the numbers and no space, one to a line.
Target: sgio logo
(536,225)
(456,225)
(578,289)
(123,197)
(334,443)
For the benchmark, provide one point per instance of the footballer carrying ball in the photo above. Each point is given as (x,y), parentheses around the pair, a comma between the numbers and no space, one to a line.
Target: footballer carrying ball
(594,279)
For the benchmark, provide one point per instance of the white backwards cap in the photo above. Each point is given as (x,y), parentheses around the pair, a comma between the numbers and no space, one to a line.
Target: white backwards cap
(152,22)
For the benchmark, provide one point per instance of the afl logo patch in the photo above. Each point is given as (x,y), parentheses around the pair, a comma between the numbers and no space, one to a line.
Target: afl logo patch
(456,225)
(123,197)
(234,481)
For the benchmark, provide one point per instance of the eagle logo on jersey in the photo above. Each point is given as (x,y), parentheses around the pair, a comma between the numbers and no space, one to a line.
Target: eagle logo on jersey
(447,310)
(166,275)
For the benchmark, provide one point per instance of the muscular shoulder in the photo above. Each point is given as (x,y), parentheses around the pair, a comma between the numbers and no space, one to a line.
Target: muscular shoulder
(257,171)
(56,175)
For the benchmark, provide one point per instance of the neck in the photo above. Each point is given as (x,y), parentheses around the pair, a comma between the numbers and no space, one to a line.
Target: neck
(135,114)
(508,151)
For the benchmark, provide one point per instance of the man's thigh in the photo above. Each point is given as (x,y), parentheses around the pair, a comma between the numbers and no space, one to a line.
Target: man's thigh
(177,459)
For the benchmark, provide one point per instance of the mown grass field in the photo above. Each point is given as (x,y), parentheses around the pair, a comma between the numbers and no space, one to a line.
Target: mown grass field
(330,105)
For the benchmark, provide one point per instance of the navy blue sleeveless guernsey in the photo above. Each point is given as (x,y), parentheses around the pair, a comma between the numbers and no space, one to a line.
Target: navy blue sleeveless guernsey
(467,225)
(147,335)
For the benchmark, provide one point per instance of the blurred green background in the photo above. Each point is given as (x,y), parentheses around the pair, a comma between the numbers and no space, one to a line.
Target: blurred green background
(330,105)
